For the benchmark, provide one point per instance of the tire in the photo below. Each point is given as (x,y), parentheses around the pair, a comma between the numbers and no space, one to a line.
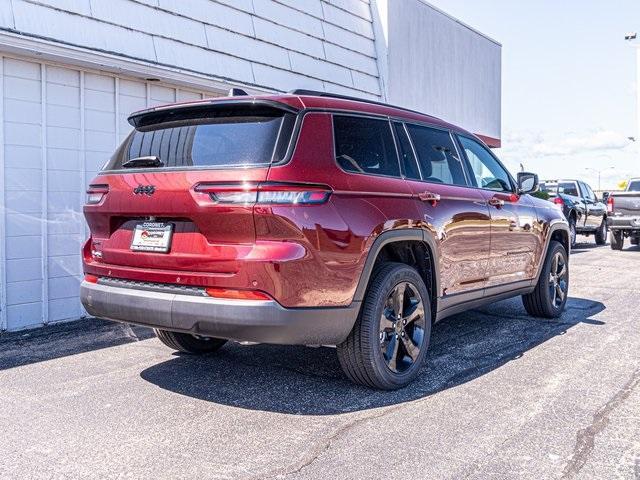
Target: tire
(572,231)
(601,233)
(617,240)
(376,352)
(542,302)
(187,343)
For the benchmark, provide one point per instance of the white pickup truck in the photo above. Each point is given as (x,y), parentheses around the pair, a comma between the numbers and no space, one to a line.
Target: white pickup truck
(623,210)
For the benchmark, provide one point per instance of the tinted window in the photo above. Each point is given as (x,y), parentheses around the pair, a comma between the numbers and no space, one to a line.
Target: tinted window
(436,155)
(233,140)
(634,186)
(407,158)
(568,188)
(487,171)
(588,193)
(365,145)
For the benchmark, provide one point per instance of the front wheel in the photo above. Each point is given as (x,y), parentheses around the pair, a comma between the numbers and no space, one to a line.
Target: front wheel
(187,343)
(550,295)
(601,233)
(389,341)
(617,240)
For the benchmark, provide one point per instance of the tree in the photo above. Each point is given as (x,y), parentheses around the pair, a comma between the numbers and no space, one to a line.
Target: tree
(623,185)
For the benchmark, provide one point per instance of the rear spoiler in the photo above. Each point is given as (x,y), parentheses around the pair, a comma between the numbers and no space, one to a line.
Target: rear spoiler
(168,113)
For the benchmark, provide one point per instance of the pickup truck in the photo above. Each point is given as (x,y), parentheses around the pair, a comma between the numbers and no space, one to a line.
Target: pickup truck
(584,211)
(624,215)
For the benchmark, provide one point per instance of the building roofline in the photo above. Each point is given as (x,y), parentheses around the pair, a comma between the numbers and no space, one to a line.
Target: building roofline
(460,22)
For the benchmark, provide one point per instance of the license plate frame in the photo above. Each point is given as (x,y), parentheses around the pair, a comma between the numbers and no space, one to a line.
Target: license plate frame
(154,237)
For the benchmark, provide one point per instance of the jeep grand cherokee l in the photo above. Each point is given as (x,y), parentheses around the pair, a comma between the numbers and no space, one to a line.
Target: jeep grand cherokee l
(314,219)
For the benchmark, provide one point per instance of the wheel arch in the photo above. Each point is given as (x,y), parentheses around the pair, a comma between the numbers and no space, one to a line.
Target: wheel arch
(559,232)
(409,246)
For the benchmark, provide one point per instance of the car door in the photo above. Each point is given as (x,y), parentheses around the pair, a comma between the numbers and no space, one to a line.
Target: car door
(595,209)
(455,214)
(515,244)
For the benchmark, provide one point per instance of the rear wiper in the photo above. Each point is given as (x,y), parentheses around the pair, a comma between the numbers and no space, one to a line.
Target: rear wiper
(150,161)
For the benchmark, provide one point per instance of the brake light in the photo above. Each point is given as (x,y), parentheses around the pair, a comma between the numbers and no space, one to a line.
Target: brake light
(265,193)
(558,201)
(610,205)
(91,278)
(227,294)
(96,192)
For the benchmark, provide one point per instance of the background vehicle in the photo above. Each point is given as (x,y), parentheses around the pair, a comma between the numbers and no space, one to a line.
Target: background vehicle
(586,214)
(314,219)
(624,215)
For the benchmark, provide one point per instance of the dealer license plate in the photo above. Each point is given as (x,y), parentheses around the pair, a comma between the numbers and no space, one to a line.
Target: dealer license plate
(152,237)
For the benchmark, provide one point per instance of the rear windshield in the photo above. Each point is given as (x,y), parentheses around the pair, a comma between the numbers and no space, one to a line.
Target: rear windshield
(568,188)
(234,140)
(634,186)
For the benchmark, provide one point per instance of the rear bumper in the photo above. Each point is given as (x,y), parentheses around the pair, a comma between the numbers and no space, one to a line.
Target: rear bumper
(624,223)
(252,321)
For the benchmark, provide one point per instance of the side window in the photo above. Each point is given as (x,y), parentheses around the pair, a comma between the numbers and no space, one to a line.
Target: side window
(407,158)
(365,145)
(437,156)
(588,192)
(488,173)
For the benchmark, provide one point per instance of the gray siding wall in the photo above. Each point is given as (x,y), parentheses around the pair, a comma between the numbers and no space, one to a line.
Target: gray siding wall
(441,66)
(268,44)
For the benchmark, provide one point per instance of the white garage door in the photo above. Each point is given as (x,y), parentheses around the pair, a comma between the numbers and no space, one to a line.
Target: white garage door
(59,125)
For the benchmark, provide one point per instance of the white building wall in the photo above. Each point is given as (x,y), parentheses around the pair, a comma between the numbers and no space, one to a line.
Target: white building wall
(436,64)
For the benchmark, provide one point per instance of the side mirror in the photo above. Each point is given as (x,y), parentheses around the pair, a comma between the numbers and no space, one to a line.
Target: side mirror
(527,183)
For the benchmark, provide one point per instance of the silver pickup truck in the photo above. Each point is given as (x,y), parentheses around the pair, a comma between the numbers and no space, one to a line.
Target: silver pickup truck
(623,210)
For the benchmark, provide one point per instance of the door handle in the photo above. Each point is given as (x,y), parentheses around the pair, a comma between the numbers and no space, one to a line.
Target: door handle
(496,202)
(429,197)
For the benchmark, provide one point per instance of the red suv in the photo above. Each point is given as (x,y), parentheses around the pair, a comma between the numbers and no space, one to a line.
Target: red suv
(314,219)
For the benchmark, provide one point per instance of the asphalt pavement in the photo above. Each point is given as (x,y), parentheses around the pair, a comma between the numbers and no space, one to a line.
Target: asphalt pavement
(503,396)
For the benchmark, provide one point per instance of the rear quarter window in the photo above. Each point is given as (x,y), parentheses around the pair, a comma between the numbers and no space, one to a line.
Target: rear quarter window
(365,145)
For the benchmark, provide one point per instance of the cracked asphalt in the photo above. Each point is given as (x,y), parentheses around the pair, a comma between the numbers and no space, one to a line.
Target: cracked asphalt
(503,396)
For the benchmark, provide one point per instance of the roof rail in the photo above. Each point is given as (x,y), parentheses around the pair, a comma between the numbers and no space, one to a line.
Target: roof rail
(316,93)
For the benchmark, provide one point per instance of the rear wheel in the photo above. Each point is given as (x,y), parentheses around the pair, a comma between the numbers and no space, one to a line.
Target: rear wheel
(617,240)
(389,341)
(187,343)
(550,295)
(601,233)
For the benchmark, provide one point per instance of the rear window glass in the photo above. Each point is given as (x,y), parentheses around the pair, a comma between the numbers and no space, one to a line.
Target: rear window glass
(568,188)
(231,141)
(365,145)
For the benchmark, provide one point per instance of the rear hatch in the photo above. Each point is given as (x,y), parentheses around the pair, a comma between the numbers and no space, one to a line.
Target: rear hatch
(626,204)
(160,201)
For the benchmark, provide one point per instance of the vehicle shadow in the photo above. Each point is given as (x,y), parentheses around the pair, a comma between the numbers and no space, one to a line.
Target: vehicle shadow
(585,247)
(309,381)
(61,340)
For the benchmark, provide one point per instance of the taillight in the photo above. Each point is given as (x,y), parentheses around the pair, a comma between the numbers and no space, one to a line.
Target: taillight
(96,192)
(228,294)
(558,201)
(265,193)
(610,205)
(90,278)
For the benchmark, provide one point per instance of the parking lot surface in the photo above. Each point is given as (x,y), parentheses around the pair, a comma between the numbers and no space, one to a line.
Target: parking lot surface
(503,396)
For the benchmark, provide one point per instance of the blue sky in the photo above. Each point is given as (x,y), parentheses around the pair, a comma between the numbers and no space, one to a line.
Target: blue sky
(568,83)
